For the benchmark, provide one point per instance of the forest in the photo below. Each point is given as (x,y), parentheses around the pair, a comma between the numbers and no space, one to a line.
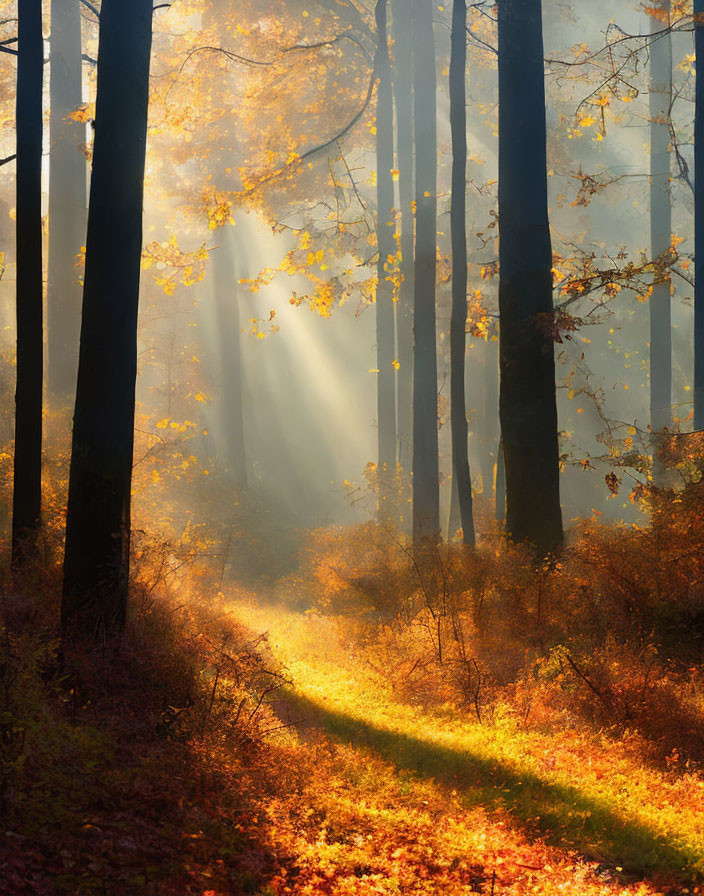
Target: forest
(351,447)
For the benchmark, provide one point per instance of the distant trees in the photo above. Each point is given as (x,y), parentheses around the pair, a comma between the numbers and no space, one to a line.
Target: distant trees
(67,199)
(403,101)
(426,509)
(699,219)
(528,403)
(458,326)
(385,324)
(227,361)
(26,505)
(660,227)
(96,565)
(229,355)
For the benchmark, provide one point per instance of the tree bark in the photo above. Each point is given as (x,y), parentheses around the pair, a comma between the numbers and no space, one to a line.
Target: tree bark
(67,199)
(500,485)
(699,220)
(385,324)
(528,406)
(426,498)
(96,564)
(458,323)
(660,236)
(227,363)
(26,520)
(490,423)
(403,97)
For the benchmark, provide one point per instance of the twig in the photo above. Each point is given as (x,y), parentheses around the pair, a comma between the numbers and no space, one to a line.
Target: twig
(592,687)
(212,701)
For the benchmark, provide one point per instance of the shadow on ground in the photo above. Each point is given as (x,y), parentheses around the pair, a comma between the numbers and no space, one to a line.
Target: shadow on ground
(564,815)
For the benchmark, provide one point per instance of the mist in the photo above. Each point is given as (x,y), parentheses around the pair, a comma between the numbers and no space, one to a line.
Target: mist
(351,467)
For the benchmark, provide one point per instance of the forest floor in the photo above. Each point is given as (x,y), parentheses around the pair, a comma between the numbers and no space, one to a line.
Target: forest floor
(241,745)
(377,795)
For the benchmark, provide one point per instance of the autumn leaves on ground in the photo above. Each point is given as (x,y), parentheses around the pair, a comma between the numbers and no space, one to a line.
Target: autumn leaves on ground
(370,721)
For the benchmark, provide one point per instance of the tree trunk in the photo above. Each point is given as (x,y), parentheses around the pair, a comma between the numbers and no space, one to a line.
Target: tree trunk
(403,96)
(660,235)
(96,565)
(699,220)
(385,324)
(227,363)
(528,405)
(426,497)
(500,485)
(454,522)
(230,357)
(26,505)
(67,199)
(490,424)
(458,324)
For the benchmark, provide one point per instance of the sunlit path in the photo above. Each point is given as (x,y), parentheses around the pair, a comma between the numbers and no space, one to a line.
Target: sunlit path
(585,794)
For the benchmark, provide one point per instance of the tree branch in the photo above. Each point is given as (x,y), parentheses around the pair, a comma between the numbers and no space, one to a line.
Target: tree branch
(89,5)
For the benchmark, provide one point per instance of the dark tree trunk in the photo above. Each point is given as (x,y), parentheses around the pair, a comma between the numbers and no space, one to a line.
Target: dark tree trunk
(96,565)
(26,505)
(458,324)
(230,357)
(528,404)
(403,96)
(500,485)
(660,236)
(67,199)
(454,523)
(490,424)
(699,221)
(426,498)
(385,325)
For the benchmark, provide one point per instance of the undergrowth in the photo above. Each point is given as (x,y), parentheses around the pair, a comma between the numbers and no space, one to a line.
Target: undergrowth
(176,763)
(129,770)
(610,632)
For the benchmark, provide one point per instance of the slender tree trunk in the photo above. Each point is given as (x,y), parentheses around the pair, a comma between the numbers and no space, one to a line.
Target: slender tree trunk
(96,565)
(67,199)
(660,235)
(230,356)
(426,497)
(26,505)
(500,485)
(458,324)
(699,220)
(403,96)
(528,400)
(228,361)
(385,324)
(454,521)
(490,425)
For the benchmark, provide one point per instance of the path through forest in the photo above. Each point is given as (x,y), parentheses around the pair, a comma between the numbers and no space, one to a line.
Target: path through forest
(412,800)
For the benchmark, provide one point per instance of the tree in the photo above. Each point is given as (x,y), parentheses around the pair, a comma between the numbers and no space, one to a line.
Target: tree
(26,506)
(660,228)
(229,355)
(458,324)
(67,198)
(426,500)
(403,101)
(490,423)
(385,325)
(699,220)
(96,564)
(528,406)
